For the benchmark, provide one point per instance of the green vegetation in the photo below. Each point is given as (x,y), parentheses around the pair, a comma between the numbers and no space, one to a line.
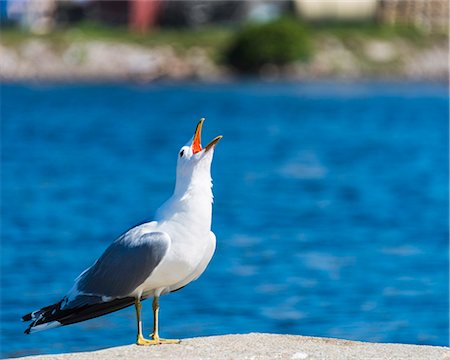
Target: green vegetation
(214,38)
(348,33)
(279,42)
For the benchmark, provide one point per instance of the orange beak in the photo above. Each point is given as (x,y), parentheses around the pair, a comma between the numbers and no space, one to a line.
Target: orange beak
(196,143)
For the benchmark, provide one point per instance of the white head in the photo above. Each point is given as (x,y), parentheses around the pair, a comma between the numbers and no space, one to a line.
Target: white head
(194,163)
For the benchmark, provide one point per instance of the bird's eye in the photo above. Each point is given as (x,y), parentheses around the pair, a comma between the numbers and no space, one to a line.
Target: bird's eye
(181,153)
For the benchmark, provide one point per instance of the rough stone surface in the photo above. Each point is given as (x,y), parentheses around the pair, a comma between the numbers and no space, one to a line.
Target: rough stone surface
(263,346)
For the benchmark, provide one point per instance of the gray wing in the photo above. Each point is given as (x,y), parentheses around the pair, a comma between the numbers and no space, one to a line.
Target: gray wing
(125,264)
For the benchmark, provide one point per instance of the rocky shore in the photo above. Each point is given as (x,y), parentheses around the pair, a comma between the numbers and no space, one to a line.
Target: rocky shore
(97,60)
(263,346)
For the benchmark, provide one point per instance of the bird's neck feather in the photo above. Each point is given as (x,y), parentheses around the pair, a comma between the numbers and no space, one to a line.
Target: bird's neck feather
(191,201)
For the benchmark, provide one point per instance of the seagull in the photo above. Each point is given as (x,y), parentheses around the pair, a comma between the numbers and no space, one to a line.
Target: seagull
(149,260)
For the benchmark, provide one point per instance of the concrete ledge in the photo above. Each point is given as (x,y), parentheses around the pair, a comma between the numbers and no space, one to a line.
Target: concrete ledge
(263,346)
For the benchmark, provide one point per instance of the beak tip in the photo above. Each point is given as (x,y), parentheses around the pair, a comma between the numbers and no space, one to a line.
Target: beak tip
(196,142)
(213,143)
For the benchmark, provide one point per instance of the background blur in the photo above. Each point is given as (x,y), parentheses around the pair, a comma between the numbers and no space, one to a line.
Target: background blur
(331,182)
(213,40)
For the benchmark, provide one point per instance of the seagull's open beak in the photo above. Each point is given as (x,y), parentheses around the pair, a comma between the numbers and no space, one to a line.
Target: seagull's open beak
(213,143)
(196,143)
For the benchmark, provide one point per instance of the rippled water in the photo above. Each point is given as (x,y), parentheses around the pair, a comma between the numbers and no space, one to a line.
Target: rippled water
(330,206)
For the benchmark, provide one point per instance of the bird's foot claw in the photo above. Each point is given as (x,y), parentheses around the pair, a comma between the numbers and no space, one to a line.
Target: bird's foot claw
(164,341)
(145,342)
(168,341)
(155,341)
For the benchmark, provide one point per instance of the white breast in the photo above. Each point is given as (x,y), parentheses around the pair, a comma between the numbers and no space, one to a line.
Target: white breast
(186,259)
(207,256)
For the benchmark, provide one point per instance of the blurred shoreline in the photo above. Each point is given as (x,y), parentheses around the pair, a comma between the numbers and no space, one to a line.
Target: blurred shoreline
(35,58)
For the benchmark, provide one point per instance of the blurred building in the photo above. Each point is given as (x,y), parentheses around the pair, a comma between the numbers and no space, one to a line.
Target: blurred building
(196,13)
(337,10)
(430,15)
(138,15)
(38,16)
(142,15)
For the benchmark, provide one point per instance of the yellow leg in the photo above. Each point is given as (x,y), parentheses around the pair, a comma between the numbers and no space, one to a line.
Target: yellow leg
(140,340)
(155,334)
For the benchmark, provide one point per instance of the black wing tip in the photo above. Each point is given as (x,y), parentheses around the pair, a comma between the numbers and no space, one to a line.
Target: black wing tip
(73,315)
(26,317)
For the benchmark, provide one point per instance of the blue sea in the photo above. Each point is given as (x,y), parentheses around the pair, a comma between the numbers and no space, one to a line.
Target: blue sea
(331,206)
